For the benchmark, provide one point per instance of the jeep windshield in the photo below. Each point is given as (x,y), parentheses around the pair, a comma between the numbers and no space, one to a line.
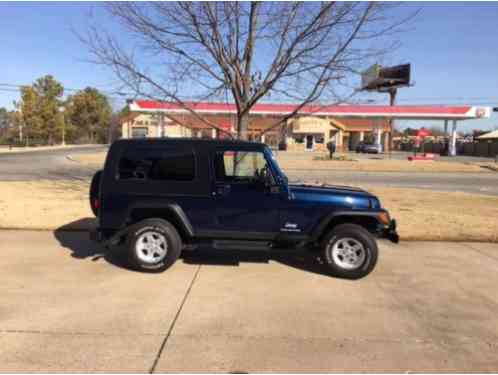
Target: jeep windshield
(279,171)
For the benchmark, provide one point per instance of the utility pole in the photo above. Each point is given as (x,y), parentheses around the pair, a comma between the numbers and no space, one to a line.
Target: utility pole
(379,79)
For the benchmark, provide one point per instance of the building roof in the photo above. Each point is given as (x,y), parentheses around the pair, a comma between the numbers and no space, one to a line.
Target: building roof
(490,135)
(367,111)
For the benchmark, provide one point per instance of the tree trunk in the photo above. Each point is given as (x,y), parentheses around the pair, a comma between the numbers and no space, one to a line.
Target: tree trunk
(243,127)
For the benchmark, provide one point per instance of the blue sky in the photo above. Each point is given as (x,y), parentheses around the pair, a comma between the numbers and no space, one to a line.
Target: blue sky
(453,49)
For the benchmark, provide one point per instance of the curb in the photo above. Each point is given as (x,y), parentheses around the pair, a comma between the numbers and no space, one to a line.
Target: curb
(31,149)
(70,158)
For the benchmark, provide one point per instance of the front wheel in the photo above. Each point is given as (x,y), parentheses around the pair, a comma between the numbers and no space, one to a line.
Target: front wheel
(350,251)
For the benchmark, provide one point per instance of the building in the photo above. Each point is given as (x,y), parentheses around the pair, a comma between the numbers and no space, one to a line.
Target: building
(491,136)
(146,125)
(310,129)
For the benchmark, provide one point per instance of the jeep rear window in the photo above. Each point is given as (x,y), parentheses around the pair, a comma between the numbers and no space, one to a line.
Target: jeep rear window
(157,164)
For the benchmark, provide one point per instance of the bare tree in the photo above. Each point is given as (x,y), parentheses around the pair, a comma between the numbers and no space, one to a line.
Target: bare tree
(243,52)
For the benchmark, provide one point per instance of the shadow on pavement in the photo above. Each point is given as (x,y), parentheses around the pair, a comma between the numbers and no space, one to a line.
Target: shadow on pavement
(308,262)
(75,237)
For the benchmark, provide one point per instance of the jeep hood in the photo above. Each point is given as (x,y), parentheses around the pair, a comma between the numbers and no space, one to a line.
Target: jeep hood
(347,196)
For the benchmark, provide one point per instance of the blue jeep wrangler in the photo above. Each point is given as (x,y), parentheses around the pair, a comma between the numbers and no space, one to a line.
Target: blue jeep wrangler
(160,196)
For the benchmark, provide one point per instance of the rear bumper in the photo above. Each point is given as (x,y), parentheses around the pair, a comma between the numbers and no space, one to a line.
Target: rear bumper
(390,232)
(107,236)
(96,235)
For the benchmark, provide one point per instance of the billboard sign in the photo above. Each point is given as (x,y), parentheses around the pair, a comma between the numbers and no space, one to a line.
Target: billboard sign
(370,76)
(377,78)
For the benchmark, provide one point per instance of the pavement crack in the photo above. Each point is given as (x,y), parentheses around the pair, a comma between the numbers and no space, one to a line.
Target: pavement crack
(177,315)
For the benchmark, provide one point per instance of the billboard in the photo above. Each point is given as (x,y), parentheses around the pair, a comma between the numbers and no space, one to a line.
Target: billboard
(377,78)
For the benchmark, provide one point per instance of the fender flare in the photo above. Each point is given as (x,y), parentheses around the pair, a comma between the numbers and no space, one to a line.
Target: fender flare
(170,207)
(327,219)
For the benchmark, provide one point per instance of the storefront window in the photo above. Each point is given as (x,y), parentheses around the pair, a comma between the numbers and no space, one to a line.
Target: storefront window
(139,132)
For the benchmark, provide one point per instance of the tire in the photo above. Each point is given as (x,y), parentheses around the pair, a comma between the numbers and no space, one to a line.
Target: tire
(94,192)
(349,251)
(153,245)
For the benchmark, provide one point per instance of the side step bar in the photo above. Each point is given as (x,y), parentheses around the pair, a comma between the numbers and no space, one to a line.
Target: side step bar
(241,245)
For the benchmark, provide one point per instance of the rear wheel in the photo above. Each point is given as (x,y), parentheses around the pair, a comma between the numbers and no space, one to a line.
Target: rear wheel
(350,251)
(94,193)
(153,245)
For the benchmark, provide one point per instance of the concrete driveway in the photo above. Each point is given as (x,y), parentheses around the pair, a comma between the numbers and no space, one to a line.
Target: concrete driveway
(66,307)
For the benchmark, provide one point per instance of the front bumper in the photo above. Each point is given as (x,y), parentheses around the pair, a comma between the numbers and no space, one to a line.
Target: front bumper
(390,232)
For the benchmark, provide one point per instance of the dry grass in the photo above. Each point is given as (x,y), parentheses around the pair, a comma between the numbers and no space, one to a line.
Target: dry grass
(94,160)
(421,214)
(434,215)
(43,204)
(365,165)
(383,165)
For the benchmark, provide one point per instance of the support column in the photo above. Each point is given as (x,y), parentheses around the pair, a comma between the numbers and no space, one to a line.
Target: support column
(213,133)
(378,138)
(445,128)
(338,140)
(263,138)
(385,143)
(362,136)
(453,139)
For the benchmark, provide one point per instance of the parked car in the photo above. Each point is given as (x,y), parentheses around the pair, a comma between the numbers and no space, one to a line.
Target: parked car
(360,146)
(369,148)
(159,196)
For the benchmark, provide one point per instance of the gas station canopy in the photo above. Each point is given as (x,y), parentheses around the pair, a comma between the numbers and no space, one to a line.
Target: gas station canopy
(375,112)
(410,112)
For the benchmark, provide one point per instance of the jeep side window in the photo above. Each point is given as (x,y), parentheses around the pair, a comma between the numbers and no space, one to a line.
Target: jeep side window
(157,164)
(239,166)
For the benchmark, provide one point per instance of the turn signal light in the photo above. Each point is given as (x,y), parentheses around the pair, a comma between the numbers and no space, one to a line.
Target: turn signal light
(384,218)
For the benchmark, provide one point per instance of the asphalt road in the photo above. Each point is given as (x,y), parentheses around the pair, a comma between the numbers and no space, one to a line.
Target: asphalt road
(45,164)
(66,307)
(54,164)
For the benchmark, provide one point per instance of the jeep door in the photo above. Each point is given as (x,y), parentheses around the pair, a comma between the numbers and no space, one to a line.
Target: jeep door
(245,207)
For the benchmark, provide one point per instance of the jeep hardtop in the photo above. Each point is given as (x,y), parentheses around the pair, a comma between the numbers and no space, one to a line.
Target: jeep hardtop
(160,196)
